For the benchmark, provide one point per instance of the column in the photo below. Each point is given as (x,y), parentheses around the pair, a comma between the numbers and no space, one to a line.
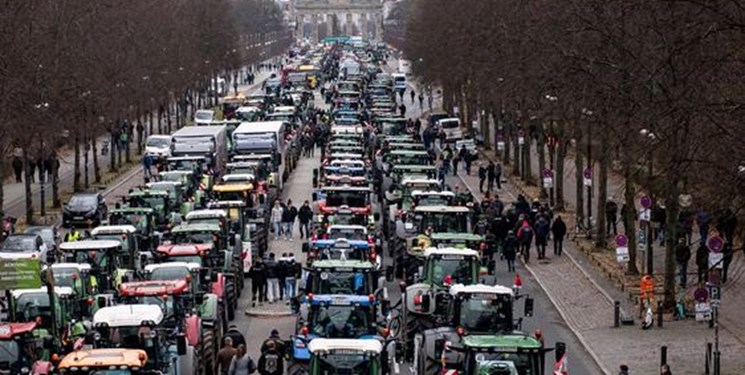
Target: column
(298,31)
(349,25)
(314,27)
(378,27)
(363,25)
(329,25)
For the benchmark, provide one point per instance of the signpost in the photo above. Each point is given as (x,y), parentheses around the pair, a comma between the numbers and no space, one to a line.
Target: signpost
(548,178)
(520,137)
(587,177)
(20,274)
(622,249)
(716,257)
(645,218)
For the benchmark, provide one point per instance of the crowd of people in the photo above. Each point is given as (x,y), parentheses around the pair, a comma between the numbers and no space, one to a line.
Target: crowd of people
(233,359)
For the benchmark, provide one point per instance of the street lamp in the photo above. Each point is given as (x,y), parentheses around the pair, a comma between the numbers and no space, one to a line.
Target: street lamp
(649,138)
(588,176)
(551,147)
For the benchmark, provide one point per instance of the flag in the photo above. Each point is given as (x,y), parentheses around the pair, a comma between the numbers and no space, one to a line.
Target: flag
(560,368)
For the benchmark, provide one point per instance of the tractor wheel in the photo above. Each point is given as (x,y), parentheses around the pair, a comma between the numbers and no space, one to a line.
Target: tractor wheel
(298,368)
(231,312)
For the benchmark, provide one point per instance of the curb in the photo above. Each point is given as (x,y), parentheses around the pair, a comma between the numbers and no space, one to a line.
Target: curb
(267,314)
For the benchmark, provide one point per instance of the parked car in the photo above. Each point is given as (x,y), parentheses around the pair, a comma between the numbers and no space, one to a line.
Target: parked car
(85,210)
(51,237)
(204,117)
(25,246)
(158,146)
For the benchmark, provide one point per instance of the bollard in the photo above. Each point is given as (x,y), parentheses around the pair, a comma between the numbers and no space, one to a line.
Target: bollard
(659,314)
(707,364)
(663,355)
(717,364)
(616,314)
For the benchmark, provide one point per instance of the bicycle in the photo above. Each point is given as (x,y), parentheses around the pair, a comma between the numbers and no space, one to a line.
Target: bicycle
(581,227)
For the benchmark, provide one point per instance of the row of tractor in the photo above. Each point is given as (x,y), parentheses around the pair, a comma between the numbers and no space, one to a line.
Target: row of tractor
(452,317)
(154,283)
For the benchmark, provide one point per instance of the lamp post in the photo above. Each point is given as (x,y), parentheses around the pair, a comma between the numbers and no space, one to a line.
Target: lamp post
(649,137)
(589,113)
(551,147)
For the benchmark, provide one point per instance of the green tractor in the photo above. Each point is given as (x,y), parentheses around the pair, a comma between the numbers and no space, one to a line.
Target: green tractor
(142,219)
(178,201)
(426,299)
(159,201)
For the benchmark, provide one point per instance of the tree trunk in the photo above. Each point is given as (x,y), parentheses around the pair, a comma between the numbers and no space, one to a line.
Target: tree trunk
(150,125)
(561,151)
(27,186)
(112,152)
(96,167)
(671,235)
(76,168)
(629,220)
(580,192)
(2,189)
(128,143)
(160,119)
(169,124)
(602,238)
(139,132)
(540,147)
(56,203)
(527,151)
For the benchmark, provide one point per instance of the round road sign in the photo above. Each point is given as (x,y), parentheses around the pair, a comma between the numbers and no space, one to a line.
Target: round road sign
(548,173)
(587,173)
(621,240)
(715,244)
(646,202)
(701,295)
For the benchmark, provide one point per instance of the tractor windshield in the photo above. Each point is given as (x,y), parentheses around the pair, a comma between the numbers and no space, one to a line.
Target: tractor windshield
(169,273)
(458,269)
(337,321)
(443,222)
(347,219)
(345,364)
(488,313)
(526,363)
(9,351)
(31,305)
(65,276)
(348,198)
(356,283)
(352,234)
(140,221)
(194,237)
(149,201)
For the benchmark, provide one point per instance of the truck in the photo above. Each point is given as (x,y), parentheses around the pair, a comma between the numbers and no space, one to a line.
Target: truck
(265,137)
(207,141)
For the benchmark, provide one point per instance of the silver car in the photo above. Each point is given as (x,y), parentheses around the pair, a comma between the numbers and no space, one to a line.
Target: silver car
(25,246)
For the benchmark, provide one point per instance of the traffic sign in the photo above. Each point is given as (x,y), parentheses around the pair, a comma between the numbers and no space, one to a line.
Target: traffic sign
(646,202)
(715,244)
(622,254)
(715,260)
(548,182)
(701,295)
(587,177)
(548,173)
(621,240)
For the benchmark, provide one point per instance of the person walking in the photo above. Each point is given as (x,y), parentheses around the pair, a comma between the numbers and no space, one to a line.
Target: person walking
(510,250)
(665,370)
(282,270)
(682,256)
(235,335)
(542,230)
(702,261)
(305,215)
(624,370)
(147,164)
(276,219)
(270,362)
(703,220)
(288,219)
(611,217)
(412,94)
(498,175)
(421,101)
(17,164)
(272,279)
(558,230)
(525,237)
(257,274)
(482,177)
(242,364)
(225,356)
(293,274)
(402,109)
(455,161)
(491,173)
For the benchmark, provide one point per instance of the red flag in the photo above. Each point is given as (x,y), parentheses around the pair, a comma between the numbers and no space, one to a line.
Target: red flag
(560,368)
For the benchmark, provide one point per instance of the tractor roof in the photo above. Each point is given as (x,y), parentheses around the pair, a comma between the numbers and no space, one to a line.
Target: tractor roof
(480,288)
(128,315)
(355,345)
(432,251)
(104,358)
(113,229)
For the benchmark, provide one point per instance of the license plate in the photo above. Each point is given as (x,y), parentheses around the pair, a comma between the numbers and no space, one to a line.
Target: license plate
(78,218)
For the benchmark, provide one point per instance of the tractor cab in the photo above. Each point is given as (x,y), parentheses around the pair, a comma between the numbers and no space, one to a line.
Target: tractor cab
(159,201)
(333,198)
(50,310)
(21,349)
(345,356)
(142,218)
(347,277)
(175,193)
(433,219)
(340,249)
(170,295)
(515,353)
(109,262)
(141,327)
(84,285)
(105,362)
(128,237)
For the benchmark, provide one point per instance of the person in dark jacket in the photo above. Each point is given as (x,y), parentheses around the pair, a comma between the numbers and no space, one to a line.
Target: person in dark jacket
(702,261)
(611,217)
(282,271)
(559,230)
(235,335)
(272,279)
(257,274)
(510,251)
(288,219)
(270,362)
(542,230)
(682,256)
(305,215)
(482,177)
(17,168)
(491,175)
(525,235)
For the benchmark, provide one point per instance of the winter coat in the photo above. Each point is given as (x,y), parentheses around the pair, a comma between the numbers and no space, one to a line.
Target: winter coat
(277,214)
(682,253)
(559,229)
(542,229)
(305,214)
(510,248)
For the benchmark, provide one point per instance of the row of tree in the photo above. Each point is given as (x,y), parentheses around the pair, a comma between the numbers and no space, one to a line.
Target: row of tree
(73,71)
(652,88)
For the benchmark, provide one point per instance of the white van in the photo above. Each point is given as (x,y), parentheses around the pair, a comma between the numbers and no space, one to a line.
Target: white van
(451,127)
(399,81)
(204,117)
(158,146)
